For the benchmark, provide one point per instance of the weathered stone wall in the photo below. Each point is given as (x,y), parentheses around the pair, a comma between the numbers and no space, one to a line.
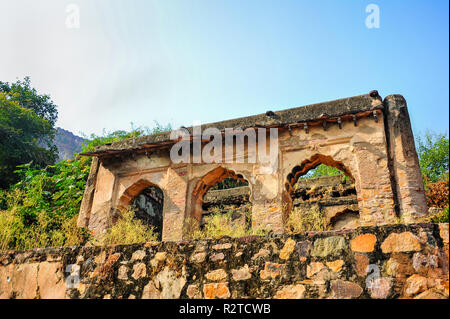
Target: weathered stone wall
(412,262)
(367,138)
(360,149)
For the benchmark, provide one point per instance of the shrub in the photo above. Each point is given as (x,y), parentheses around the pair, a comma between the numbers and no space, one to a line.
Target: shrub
(437,194)
(128,230)
(41,210)
(440,217)
(302,222)
(45,231)
(220,225)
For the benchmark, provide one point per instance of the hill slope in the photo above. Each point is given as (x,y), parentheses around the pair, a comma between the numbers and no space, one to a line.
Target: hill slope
(67,143)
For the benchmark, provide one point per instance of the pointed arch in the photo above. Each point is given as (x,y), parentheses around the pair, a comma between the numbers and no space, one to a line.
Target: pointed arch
(310,164)
(147,200)
(132,191)
(205,183)
(303,169)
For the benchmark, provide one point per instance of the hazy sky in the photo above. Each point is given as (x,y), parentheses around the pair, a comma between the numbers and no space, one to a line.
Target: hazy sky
(176,61)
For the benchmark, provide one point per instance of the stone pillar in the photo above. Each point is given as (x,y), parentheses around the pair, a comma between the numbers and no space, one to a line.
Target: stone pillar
(88,196)
(101,212)
(372,182)
(403,161)
(267,212)
(175,186)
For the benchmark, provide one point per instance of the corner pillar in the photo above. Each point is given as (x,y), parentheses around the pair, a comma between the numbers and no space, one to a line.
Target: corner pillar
(403,161)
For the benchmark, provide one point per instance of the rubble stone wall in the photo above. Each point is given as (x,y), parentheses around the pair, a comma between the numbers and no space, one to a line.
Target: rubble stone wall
(396,261)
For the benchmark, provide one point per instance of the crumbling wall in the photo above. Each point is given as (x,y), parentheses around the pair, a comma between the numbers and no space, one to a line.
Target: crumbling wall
(232,200)
(397,261)
(367,138)
(333,197)
(359,151)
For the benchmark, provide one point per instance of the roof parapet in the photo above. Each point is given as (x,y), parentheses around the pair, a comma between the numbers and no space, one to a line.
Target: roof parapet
(304,116)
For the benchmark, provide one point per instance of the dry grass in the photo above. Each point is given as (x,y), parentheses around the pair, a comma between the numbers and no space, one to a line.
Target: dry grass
(46,231)
(6,229)
(219,225)
(57,232)
(301,222)
(127,230)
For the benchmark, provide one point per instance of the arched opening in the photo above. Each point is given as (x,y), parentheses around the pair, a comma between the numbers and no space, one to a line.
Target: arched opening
(222,205)
(148,207)
(347,218)
(320,194)
(147,202)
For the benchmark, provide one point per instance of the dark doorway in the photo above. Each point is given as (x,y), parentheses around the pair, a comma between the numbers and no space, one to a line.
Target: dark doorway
(148,207)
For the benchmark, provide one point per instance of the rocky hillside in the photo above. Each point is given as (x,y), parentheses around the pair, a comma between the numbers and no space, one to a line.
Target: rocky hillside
(67,144)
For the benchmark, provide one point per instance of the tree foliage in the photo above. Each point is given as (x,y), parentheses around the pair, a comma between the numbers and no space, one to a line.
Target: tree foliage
(110,137)
(433,152)
(41,209)
(323,170)
(21,130)
(26,129)
(228,183)
(27,97)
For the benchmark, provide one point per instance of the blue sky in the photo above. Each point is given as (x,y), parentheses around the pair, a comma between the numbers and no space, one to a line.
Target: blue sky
(177,62)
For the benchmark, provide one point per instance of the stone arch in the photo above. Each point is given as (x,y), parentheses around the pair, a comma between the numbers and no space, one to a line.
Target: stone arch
(310,164)
(149,193)
(344,219)
(302,169)
(132,191)
(205,183)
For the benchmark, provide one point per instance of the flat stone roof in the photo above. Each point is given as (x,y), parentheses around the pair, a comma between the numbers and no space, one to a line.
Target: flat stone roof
(302,114)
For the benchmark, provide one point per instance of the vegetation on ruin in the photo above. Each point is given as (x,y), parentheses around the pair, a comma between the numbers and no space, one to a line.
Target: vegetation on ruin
(41,209)
(301,222)
(440,217)
(127,230)
(220,224)
(45,231)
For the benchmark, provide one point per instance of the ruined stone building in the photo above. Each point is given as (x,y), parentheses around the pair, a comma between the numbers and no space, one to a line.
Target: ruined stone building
(367,138)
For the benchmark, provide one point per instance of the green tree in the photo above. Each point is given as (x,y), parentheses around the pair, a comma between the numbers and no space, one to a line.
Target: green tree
(27,97)
(323,170)
(42,208)
(433,152)
(25,137)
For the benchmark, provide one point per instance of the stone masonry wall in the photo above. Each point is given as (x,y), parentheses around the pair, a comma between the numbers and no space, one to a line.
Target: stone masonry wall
(397,261)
